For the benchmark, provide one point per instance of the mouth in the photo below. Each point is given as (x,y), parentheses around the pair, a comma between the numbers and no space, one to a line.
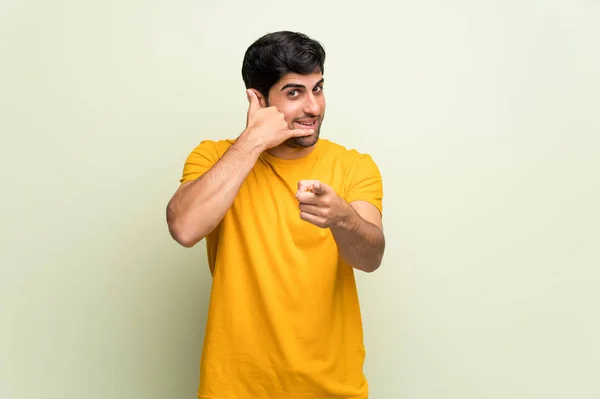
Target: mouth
(306,123)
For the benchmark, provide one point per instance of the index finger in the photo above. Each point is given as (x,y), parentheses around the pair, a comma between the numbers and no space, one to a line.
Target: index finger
(306,185)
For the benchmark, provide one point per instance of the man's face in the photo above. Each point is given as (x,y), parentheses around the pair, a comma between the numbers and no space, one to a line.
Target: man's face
(300,98)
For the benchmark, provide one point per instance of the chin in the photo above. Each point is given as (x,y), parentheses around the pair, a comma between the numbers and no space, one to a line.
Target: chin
(306,141)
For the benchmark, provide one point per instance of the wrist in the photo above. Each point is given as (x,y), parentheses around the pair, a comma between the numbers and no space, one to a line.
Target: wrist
(346,217)
(250,144)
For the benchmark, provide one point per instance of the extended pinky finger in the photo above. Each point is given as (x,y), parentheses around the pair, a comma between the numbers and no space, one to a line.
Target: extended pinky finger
(300,132)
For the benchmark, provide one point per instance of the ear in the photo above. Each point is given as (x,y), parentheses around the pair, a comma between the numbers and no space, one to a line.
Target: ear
(261,99)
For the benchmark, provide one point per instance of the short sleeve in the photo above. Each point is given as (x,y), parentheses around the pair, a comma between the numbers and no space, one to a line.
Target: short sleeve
(199,161)
(365,182)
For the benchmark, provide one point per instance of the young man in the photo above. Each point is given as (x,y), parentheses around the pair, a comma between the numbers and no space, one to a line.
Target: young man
(287,218)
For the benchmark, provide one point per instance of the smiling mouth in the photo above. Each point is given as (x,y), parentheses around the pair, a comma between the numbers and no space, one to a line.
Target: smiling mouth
(307,124)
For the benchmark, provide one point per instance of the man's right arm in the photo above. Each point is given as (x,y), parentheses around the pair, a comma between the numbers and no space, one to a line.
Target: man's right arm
(198,206)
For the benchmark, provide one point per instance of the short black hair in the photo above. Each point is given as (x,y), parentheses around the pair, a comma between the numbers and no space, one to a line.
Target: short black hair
(275,54)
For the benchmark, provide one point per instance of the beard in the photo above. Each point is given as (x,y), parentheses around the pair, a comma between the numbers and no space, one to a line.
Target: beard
(305,141)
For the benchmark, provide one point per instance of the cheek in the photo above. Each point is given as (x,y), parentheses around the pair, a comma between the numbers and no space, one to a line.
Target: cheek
(322,103)
(292,111)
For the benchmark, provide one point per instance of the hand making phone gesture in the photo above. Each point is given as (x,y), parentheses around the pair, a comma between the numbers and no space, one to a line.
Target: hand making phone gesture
(267,125)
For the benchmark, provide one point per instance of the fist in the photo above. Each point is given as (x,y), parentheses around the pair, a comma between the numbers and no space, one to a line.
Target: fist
(320,205)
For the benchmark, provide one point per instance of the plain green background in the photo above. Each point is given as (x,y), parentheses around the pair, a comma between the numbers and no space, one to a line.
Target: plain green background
(483,116)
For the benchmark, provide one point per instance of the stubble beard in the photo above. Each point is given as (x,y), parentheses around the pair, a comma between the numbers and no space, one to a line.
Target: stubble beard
(304,141)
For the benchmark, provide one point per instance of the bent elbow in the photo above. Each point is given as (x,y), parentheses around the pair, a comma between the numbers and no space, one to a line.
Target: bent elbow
(184,237)
(187,243)
(375,264)
(372,267)
(182,234)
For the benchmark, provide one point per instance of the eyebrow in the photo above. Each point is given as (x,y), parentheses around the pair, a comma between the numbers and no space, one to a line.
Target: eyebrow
(299,86)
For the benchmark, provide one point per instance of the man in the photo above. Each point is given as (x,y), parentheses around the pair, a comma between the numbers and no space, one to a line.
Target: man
(287,217)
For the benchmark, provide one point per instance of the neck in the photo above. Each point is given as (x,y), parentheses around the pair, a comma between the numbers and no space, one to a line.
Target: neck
(285,151)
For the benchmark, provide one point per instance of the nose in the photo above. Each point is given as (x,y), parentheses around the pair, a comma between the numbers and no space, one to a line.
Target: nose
(312,106)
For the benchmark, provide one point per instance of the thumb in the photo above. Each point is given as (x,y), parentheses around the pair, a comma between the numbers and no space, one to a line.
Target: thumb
(319,188)
(253,101)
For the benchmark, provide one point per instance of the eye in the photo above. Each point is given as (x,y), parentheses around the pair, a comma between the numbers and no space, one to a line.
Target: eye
(318,89)
(293,93)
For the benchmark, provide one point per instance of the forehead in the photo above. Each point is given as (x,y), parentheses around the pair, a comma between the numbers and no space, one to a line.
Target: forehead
(305,80)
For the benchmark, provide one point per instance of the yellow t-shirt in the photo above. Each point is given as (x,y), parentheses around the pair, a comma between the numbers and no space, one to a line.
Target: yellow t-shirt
(284,320)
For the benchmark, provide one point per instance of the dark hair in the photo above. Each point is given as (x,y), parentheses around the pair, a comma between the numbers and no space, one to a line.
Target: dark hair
(275,54)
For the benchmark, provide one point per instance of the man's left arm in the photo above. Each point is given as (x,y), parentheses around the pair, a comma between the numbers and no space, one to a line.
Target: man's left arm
(356,226)
(360,237)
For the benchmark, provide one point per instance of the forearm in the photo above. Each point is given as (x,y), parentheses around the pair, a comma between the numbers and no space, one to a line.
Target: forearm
(198,207)
(360,243)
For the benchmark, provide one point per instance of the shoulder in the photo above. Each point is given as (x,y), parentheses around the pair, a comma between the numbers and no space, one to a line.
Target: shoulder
(362,177)
(202,157)
(211,148)
(348,158)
